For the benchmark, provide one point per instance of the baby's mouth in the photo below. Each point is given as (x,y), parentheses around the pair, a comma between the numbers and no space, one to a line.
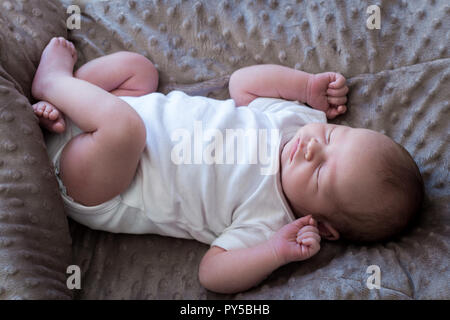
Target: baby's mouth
(295,148)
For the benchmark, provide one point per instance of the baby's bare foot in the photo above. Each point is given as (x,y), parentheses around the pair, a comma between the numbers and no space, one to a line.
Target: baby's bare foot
(58,58)
(328,92)
(49,117)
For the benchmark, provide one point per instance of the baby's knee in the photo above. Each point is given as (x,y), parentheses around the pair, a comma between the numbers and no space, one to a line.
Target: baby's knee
(126,128)
(152,79)
(146,72)
(135,132)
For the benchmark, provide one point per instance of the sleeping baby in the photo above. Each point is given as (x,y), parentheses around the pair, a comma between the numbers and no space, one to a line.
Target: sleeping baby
(132,160)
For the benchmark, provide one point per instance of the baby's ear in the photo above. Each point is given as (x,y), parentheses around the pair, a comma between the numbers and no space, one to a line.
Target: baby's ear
(327,231)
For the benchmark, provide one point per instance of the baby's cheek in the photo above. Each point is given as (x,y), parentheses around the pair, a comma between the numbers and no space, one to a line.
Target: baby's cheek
(299,187)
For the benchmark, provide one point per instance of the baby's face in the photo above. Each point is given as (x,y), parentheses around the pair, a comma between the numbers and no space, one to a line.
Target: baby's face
(326,164)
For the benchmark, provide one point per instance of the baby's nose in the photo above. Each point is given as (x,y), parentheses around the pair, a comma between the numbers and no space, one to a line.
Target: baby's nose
(310,149)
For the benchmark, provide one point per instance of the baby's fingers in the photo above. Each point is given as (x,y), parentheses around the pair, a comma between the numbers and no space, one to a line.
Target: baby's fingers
(338,81)
(304,221)
(335,111)
(337,92)
(308,235)
(308,231)
(337,101)
(308,228)
(308,248)
(312,244)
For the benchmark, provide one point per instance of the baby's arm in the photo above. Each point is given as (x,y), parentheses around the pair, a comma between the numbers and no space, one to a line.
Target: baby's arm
(268,80)
(238,270)
(122,73)
(324,91)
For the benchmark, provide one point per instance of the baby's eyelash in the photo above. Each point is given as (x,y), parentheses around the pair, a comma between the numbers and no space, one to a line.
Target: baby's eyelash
(317,176)
(329,136)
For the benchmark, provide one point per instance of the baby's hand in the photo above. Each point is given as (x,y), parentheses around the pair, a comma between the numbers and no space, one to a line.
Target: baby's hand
(298,240)
(328,92)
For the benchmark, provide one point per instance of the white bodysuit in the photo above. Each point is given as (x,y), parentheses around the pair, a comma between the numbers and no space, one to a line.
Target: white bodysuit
(210,170)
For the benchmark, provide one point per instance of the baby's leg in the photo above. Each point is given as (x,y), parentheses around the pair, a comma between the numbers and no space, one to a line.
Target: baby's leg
(122,73)
(100,163)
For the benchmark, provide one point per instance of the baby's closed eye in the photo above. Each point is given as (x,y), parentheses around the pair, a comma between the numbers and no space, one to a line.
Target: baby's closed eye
(330,132)
(318,174)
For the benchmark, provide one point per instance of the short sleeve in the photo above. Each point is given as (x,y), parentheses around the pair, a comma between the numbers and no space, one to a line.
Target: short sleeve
(254,223)
(274,105)
(243,236)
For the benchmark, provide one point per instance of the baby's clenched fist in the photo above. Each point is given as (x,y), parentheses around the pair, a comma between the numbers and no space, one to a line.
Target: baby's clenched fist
(328,92)
(309,239)
(297,241)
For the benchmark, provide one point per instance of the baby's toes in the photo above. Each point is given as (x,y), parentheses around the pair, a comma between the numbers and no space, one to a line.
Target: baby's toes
(70,45)
(58,126)
(53,114)
(72,49)
(62,41)
(38,108)
(47,111)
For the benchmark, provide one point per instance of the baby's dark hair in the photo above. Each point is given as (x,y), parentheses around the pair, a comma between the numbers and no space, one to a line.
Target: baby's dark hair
(400,202)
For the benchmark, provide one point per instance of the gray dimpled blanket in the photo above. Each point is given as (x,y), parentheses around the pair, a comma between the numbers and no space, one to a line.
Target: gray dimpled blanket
(398,77)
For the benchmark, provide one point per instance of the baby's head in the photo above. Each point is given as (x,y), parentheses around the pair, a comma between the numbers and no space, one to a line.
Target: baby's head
(356,182)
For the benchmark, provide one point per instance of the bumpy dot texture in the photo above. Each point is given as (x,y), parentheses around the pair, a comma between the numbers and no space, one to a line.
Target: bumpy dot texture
(35,244)
(398,78)
(26,27)
(193,40)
